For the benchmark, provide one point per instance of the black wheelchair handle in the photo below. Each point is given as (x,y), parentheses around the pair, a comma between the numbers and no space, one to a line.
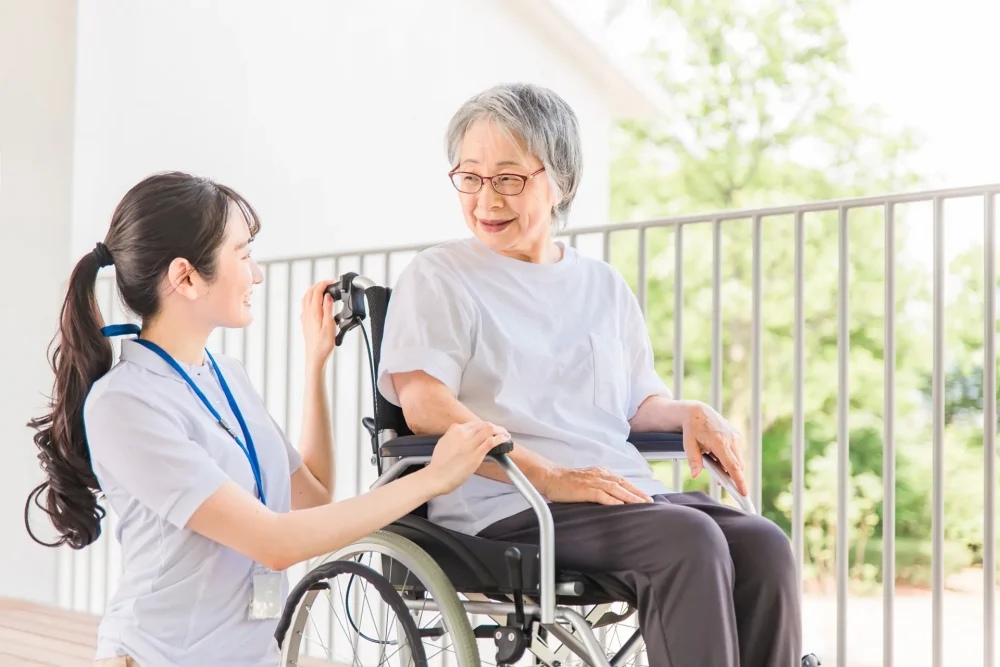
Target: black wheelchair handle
(350,291)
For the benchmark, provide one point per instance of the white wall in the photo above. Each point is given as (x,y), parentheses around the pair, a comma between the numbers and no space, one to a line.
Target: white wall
(37,40)
(296,104)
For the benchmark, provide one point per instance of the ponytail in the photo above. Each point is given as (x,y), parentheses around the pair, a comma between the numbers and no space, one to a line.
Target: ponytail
(81,356)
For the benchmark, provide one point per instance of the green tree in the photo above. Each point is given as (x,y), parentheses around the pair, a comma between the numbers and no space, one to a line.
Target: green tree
(759,115)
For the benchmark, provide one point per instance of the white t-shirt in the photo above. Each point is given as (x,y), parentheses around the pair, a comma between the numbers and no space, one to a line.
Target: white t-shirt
(158,454)
(557,354)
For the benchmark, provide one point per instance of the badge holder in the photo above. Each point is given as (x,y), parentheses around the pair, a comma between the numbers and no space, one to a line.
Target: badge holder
(265,601)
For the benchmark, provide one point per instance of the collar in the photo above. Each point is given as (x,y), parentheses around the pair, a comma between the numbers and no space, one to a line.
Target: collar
(135,353)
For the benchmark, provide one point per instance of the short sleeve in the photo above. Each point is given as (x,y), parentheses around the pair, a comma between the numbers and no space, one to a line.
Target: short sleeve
(428,327)
(643,379)
(149,456)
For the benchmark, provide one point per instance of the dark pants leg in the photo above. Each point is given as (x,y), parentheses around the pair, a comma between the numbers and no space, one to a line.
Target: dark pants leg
(713,586)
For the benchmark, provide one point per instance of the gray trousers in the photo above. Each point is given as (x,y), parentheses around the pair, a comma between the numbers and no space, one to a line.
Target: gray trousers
(714,587)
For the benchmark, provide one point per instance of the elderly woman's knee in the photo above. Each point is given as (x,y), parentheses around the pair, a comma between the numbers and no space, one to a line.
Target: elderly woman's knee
(689,534)
(764,552)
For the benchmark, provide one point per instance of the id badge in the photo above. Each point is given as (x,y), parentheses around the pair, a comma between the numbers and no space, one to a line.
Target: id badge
(265,601)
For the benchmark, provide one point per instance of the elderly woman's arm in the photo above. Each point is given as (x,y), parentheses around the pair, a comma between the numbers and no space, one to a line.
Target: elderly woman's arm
(705,431)
(431,407)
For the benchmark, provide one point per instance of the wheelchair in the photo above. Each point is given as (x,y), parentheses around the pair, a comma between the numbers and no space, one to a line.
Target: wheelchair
(450,594)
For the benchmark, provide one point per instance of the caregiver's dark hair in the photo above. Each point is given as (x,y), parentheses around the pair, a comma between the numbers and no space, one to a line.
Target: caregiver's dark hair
(164,217)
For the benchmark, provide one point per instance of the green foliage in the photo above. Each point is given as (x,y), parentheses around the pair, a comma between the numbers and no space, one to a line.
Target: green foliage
(759,116)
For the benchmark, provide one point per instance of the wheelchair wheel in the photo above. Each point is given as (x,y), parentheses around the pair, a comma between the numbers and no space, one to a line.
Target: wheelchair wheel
(430,622)
(376,627)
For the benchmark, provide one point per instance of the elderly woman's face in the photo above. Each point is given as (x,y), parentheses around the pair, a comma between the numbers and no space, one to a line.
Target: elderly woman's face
(519,225)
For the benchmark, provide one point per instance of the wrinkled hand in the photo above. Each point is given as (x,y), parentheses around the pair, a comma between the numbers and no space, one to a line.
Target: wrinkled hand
(461,450)
(590,485)
(706,432)
(318,325)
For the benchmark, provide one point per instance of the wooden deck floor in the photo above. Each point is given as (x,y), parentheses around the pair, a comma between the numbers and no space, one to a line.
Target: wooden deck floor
(34,635)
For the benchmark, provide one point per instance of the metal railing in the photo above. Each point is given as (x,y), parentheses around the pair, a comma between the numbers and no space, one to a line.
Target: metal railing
(270,352)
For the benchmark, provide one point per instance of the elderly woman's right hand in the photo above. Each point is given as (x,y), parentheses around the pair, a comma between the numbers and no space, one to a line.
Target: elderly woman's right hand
(590,485)
(460,452)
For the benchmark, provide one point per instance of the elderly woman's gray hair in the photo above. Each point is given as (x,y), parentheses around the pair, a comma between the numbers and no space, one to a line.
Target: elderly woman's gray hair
(542,121)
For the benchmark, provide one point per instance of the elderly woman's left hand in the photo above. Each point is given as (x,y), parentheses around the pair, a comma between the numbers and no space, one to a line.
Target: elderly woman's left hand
(707,432)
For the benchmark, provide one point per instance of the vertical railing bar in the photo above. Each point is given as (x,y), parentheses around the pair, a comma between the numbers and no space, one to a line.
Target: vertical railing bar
(288,349)
(989,435)
(937,473)
(642,278)
(606,247)
(756,384)
(245,342)
(889,444)
(362,358)
(266,269)
(89,584)
(678,332)
(716,366)
(843,436)
(572,240)
(798,408)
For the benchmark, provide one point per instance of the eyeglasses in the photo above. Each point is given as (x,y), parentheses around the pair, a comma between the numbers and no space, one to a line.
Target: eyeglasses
(504,184)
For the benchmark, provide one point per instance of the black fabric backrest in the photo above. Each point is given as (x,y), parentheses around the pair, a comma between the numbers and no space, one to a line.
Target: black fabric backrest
(388,416)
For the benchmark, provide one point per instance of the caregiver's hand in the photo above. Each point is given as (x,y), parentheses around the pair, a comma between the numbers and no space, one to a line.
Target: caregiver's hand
(707,432)
(460,452)
(590,485)
(318,325)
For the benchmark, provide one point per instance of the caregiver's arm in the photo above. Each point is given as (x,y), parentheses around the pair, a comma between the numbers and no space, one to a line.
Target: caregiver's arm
(430,407)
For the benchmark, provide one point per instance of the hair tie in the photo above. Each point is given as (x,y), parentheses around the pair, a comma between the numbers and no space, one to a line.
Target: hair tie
(103,255)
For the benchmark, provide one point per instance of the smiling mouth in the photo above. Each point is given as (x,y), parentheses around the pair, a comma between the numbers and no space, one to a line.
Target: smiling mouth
(494,226)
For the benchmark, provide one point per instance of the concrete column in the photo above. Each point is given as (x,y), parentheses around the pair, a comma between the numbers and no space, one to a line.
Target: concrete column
(37,73)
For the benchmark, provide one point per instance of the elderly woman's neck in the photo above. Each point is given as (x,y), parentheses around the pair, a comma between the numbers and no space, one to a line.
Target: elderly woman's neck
(543,253)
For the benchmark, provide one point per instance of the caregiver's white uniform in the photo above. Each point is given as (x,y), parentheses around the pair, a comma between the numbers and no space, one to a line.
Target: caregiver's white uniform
(158,454)
(557,354)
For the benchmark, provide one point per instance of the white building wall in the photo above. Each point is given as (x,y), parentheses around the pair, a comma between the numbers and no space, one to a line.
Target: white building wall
(300,105)
(36,140)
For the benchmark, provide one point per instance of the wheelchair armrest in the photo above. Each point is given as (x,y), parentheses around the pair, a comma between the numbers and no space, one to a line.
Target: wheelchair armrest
(423,445)
(658,443)
(408,446)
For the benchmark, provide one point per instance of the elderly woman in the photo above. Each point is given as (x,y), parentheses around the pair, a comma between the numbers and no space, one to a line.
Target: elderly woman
(515,328)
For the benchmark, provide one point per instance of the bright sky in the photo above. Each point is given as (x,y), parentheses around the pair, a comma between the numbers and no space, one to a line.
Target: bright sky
(934,66)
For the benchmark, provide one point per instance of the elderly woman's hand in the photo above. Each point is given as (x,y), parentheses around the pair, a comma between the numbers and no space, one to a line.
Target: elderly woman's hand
(706,432)
(590,485)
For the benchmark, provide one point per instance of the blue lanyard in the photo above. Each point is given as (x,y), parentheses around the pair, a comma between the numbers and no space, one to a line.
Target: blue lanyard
(247,448)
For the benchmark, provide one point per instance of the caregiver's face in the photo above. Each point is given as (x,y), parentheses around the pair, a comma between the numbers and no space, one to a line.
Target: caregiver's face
(516,225)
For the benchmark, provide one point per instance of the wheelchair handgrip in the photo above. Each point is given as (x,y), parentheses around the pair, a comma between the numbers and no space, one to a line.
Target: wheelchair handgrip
(505,448)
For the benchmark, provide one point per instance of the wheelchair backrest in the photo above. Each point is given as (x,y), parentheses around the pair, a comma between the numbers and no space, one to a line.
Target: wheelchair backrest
(387,415)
